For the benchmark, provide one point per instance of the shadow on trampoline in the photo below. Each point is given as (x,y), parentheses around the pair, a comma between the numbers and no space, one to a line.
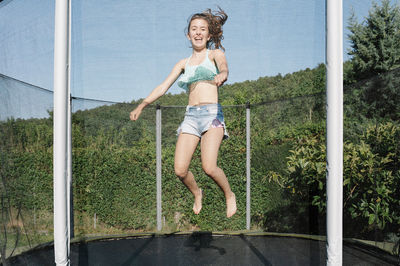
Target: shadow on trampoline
(202,240)
(204,248)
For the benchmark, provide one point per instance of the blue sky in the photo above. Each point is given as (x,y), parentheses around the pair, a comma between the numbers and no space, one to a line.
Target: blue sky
(121,50)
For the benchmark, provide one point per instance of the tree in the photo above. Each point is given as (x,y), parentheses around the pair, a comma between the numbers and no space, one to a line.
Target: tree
(376,41)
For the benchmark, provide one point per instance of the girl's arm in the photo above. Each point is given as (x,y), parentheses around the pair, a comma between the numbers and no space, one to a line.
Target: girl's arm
(220,59)
(160,90)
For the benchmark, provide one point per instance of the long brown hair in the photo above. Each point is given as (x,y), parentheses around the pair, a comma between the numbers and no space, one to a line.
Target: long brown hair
(215,20)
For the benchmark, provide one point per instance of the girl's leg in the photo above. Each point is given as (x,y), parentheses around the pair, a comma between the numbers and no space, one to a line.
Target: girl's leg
(185,147)
(210,143)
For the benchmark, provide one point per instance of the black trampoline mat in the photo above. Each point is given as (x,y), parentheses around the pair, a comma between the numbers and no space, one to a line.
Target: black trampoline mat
(205,249)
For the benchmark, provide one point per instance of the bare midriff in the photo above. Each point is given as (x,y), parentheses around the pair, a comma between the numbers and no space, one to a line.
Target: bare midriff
(203,92)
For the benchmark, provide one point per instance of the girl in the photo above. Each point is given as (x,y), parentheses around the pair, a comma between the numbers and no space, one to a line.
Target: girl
(202,73)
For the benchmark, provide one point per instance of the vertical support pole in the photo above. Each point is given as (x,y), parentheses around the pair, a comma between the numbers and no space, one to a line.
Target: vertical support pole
(69,173)
(158,165)
(60,145)
(334,126)
(70,198)
(69,139)
(248,165)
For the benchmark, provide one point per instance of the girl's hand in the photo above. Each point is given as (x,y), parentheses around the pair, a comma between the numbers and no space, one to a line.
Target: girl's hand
(134,115)
(220,78)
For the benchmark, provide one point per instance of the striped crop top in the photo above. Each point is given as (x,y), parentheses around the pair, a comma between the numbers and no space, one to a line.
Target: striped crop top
(206,70)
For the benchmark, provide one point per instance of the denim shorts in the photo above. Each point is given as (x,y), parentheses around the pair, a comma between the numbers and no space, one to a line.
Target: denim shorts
(199,119)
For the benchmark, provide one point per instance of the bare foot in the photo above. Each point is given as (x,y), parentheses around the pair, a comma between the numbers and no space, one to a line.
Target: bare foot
(197,202)
(230,205)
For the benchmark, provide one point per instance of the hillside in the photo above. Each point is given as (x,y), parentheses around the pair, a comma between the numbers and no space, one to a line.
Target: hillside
(114,158)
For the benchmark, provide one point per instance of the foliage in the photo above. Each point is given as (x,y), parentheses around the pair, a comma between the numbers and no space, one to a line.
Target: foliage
(374,67)
(374,98)
(114,159)
(303,82)
(375,42)
(382,96)
(371,175)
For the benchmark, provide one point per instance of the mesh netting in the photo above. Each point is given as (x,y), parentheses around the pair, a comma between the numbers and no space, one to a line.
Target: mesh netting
(22,100)
(114,159)
(26,133)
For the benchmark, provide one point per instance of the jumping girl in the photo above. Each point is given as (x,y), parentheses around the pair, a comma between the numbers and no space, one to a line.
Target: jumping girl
(202,73)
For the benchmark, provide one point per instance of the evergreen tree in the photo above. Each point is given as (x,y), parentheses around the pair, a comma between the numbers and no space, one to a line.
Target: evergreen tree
(376,41)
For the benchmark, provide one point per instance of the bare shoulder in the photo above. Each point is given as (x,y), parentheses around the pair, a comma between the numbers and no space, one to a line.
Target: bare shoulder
(217,53)
(179,66)
(181,63)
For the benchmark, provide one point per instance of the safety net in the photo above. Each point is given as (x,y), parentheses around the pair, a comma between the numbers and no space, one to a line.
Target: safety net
(120,51)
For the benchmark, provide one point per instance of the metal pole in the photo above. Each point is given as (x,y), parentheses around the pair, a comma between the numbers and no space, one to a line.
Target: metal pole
(60,118)
(69,182)
(158,163)
(248,198)
(334,124)
(70,201)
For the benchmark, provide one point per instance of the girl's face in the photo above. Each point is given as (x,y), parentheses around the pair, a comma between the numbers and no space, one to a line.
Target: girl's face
(198,33)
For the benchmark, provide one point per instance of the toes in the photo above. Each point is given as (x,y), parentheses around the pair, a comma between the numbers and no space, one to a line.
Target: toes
(197,208)
(231,206)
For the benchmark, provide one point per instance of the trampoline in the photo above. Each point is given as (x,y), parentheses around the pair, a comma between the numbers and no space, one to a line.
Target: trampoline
(96,63)
(206,248)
